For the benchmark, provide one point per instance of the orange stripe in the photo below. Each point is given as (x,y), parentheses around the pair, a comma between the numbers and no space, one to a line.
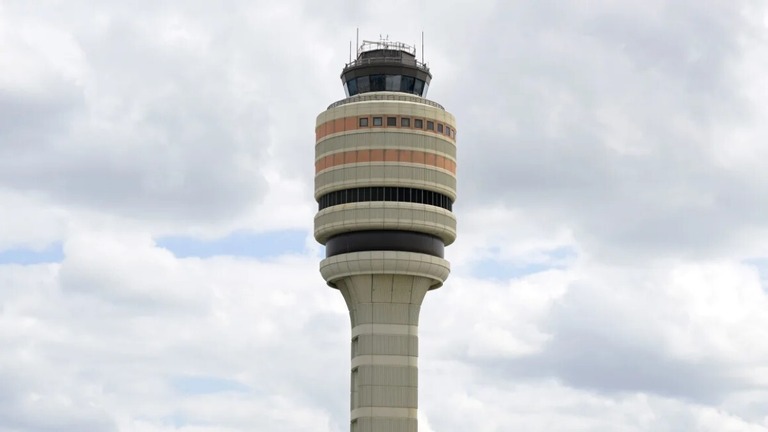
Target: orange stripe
(345,124)
(389,155)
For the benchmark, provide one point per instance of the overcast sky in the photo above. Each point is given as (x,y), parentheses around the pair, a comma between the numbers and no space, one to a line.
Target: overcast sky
(158,273)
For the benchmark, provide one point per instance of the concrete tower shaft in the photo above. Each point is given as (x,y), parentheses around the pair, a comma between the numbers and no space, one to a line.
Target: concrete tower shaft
(385,182)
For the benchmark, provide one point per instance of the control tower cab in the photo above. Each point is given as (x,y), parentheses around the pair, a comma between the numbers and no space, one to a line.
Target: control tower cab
(386,66)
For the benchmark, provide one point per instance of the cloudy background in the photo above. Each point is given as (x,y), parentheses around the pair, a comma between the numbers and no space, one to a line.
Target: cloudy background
(157,270)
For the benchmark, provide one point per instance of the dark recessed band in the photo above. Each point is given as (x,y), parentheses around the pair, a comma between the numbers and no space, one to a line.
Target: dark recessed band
(385,193)
(384,240)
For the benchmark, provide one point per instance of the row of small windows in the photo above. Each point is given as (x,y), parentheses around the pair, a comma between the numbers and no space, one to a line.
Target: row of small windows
(385,193)
(397,83)
(406,122)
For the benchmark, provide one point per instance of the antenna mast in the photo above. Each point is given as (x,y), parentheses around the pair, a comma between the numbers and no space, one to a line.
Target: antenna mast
(422,48)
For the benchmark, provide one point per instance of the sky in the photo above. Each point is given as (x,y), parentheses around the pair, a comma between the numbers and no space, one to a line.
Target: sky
(157,266)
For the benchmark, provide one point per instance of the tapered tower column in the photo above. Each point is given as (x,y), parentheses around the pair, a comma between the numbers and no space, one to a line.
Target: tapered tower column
(385,184)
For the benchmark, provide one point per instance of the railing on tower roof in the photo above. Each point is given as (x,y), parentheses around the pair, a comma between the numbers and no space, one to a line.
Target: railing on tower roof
(395,52)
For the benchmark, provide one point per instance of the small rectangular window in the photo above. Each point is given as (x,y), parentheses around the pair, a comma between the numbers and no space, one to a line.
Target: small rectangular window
(418,123)
(440,127)
(363,122)
(391,121)
(405,122)
(355,384)
(448,130)
(430,125)
(377,121)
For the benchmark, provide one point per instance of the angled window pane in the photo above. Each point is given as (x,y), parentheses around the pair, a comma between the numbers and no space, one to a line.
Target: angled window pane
(352,86)
(418,88)
(407,83)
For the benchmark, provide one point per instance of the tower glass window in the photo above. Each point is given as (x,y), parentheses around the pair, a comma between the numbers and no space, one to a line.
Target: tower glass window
(363,122)
(418,124)
(405,122)
(407,84)
(440,127)
(418,88)
(377,121)
(363,84)
(391,121)
(352,87)
(430,125)
(393,82)
(378,83)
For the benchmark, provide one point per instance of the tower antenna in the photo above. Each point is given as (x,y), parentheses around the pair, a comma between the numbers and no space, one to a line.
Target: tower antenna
(422,48)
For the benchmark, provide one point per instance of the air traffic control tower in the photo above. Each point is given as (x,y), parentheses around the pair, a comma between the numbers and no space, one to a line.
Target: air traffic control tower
(385,182)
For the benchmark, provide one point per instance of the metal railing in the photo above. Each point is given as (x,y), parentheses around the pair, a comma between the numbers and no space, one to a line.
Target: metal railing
(386,45)
(378,60)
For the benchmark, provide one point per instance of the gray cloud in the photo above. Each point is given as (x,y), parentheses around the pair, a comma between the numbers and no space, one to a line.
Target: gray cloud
(605,118)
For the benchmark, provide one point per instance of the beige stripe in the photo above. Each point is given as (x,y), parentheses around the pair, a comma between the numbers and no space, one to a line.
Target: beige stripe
(412,140)
(394,329)
(385,360)
(384,412)
(384,174)
(385,155)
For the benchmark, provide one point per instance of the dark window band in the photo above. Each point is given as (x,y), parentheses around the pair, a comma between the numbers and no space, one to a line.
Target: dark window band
(385,193)
(380,82)
(384,240)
